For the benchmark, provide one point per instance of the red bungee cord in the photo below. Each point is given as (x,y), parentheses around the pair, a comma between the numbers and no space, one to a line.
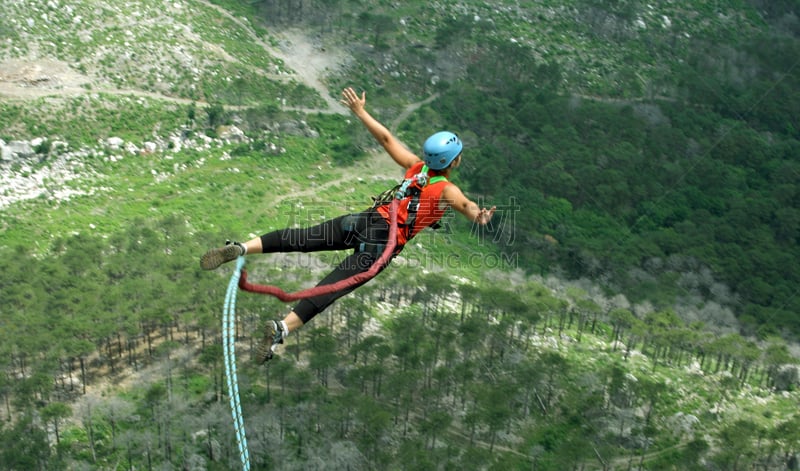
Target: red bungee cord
(339,285)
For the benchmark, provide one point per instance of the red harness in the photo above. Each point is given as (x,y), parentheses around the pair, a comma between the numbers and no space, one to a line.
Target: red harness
(420,207)
(406,217)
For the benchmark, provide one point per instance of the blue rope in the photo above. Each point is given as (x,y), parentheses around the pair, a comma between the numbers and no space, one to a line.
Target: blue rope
(229,349)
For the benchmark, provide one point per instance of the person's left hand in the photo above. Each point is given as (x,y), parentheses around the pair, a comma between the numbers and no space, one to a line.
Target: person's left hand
(485,215)
(351,99)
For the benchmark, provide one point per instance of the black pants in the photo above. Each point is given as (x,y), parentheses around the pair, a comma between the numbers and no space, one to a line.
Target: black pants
(365,233)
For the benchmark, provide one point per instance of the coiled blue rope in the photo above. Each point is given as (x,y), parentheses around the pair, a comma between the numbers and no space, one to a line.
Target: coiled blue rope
(229,349)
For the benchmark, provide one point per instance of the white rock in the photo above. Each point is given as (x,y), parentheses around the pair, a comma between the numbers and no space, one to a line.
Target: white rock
(115,142)
(19,149)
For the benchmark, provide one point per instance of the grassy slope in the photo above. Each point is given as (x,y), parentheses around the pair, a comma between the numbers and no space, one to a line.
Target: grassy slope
(233,196)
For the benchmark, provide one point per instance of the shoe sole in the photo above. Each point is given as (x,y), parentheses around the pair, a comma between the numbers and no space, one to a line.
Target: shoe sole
(264,351)
(216,257)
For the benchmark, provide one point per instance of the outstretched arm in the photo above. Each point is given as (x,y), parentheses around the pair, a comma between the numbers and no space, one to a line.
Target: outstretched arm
(404,157)
(456,199)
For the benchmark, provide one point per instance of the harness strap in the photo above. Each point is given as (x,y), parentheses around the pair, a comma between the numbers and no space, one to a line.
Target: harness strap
(369,247)
(413,204)
(358,278)
(411,219)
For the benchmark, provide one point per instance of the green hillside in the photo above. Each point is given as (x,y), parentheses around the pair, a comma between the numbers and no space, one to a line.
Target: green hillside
(633,306)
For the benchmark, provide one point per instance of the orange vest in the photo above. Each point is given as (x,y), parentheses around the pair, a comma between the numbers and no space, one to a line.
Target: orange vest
(416,212)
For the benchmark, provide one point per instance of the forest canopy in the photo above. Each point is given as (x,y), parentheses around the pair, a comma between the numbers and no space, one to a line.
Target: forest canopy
(663,160)
(686,188)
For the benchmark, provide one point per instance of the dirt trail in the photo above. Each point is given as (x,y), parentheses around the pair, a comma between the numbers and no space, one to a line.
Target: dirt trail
(312,64)
(309,63)
(378,166)
(31,79)
(409,110)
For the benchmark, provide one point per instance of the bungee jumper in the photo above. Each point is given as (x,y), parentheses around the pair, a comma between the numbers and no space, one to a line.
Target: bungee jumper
(419,202)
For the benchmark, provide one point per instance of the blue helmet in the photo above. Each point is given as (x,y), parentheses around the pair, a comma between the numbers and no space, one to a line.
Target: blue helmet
(441,149)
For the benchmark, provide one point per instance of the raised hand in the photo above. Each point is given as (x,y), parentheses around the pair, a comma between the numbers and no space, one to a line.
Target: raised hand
(351,99)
